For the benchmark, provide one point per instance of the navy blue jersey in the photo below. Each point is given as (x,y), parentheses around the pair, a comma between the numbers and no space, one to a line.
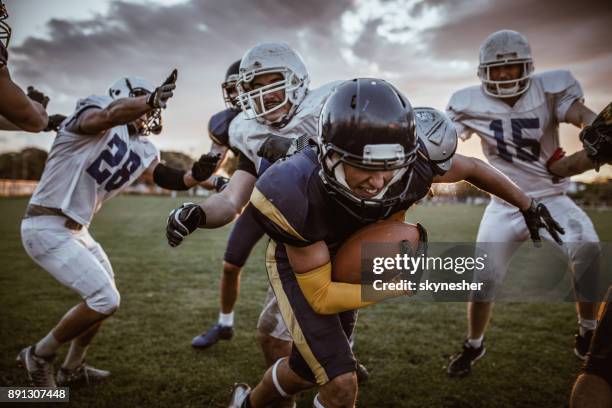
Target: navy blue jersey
(218,127)
(294,207)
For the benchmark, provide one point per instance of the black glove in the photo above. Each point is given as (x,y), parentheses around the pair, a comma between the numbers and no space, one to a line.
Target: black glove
(161,94)
(274,148)
(597,138)
(537,216)
(205,166)
(54,122)
(183,221)
(38,96)
(220,183)
(597,141)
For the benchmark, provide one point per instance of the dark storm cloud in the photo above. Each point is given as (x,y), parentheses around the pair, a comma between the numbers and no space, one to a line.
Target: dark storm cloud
(149,39)
(561,32)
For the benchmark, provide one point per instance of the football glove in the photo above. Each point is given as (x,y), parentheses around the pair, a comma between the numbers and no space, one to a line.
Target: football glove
(220,183)
(183,221)
(597,138)
(205,166)
(274,148)
(159,97)
(35,95)
(54,122)
(537,216)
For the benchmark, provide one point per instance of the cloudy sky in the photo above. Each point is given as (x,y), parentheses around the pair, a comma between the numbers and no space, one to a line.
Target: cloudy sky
(428,48)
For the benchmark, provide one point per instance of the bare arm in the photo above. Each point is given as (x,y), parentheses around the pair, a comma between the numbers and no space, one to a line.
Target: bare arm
(17,108)
(222,208)
(120,112)
(579,115)
(486,178)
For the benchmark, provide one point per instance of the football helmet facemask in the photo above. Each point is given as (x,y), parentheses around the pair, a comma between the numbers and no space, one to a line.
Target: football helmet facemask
(272,58)
(5,28)
(131,87)
(505,47)
(228,87)
(367,123)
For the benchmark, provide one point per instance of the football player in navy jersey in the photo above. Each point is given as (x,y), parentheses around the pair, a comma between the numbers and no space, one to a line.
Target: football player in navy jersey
(245,233)
(18,110)
(369,164)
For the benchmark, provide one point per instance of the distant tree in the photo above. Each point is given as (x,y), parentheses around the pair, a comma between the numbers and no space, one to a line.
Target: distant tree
(25,165)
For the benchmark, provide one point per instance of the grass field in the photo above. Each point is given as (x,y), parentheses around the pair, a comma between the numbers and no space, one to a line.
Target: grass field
(169,295)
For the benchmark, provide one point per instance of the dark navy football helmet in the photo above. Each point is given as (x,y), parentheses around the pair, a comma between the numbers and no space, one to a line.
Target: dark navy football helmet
(367,123)
(228,86)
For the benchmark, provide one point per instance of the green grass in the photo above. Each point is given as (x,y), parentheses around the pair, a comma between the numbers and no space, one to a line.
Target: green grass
(169,295)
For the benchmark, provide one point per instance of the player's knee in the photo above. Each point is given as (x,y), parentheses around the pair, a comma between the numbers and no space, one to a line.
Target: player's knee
(105,301)
(340,391)
(231,269)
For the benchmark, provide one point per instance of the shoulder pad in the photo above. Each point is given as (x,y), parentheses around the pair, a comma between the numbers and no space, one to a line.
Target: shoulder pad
(438,135)
(281,198)
(313,102)
(218,126)
(93,100)
(463,99)
(556,81)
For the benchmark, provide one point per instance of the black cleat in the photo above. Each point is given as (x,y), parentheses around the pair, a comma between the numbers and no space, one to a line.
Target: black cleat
(209,338)
(362,374)
(582,344)
(461,364)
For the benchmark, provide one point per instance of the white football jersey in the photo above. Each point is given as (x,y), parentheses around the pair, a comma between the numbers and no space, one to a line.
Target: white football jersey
(247,135)
(519,140)
(83,171)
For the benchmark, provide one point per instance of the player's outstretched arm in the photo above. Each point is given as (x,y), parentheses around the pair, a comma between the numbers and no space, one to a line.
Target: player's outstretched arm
(596,138)
(312,268)
(218,210)
(18,110)
(489,179)
(95,121)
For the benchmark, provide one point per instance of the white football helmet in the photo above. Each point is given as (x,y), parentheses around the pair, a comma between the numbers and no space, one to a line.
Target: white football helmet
(268,58)
(130,87)
(505,47)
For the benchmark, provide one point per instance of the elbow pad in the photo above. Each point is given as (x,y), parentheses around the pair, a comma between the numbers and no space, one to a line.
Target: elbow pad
(169,178)
(327,297)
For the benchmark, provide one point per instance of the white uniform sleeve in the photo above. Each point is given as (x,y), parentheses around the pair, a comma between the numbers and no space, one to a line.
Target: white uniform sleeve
(456,115)
(92,101)
(565,88)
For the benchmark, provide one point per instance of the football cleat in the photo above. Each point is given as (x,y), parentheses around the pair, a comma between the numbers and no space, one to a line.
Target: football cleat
(82,372)
(240,392)
(40,369)
(209,338)
(582,344)
(461,363)
(362,374)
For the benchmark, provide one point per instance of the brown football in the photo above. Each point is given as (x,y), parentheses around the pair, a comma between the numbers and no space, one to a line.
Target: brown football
(346,266)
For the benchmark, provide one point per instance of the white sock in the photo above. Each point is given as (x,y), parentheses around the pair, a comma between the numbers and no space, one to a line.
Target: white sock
(476,343)
(47,346)
(75,356)
(585,325)
(226,319)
